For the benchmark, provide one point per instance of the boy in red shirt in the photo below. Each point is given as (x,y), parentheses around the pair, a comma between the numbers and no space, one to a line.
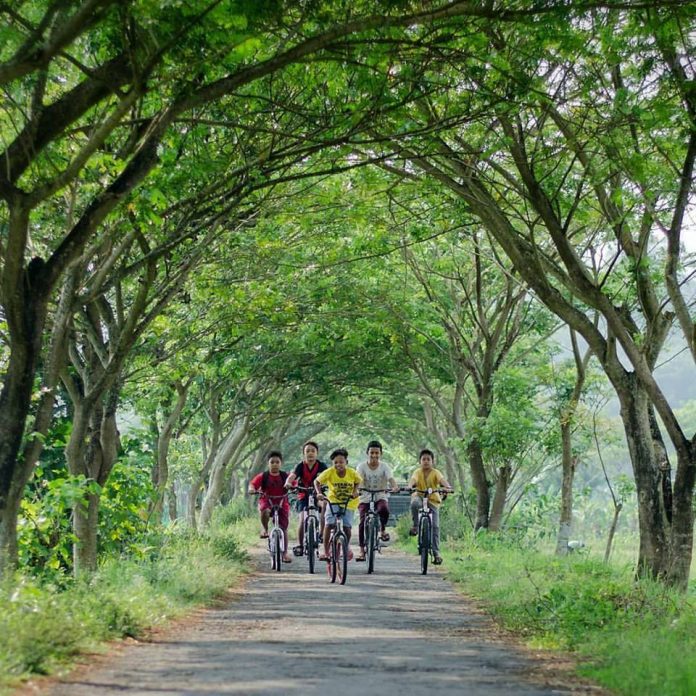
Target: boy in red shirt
(272,484)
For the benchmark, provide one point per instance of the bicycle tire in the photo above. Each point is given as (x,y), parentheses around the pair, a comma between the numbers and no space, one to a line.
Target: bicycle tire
(277,551)
(310,539)
(424,544)
(342,558)
(333,559)
(371,542)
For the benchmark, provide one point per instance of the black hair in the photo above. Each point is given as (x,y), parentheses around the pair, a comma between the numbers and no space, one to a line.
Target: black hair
(310,442)
(374,443)
(274,453)
(426,451)
(338,453)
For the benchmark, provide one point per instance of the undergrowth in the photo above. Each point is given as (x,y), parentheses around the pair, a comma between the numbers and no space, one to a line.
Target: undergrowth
(44,623)
(637,637)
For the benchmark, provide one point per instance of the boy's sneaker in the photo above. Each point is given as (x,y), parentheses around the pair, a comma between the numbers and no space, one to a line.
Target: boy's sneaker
(437,560)
(297,550)
(413,531)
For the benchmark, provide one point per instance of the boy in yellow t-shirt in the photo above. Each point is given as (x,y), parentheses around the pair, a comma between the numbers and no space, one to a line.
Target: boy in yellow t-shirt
(423,478)
(343,483)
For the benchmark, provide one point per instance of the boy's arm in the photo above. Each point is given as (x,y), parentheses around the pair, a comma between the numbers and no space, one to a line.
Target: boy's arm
(356,484)
(394,485)
(252,485)
(290,480)
(317,486)
(445,483)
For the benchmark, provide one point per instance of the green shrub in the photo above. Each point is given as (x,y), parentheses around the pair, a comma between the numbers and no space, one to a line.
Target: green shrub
(637,637)
(235,511)
(42,624)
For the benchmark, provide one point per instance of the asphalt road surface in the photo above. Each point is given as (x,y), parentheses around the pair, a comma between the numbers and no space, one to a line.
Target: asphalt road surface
(393,632)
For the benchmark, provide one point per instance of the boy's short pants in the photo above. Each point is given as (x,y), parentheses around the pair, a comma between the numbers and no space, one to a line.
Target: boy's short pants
(283,512)
(330,518)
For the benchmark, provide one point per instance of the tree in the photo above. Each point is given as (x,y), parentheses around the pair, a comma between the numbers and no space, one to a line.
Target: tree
(571,172)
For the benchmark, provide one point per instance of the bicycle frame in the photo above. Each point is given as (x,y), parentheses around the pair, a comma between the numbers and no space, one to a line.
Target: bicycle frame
(373,542)
(337,566)
(425,539)
(276,536)
(311,541)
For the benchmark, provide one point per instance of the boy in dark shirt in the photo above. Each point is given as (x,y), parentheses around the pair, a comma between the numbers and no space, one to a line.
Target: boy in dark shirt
(304,475)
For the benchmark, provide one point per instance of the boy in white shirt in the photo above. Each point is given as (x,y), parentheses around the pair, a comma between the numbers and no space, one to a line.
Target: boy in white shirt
(376,475)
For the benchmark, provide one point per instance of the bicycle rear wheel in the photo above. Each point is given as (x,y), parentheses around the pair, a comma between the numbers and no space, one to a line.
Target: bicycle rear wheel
(341,558)
(277,550)
(424,543)
(310,540)
(371,543)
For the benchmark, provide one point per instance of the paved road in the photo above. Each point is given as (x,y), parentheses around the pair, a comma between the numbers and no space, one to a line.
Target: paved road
(394,632)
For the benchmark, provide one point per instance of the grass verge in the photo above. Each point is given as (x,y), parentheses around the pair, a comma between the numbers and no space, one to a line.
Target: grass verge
(635,637)
(43,625)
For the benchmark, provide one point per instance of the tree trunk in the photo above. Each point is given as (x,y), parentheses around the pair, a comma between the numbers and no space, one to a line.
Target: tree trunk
(164,439)
(172,503)
(478,477)
(612,531)
(568,464)
(85,525)
(500,497)
(91,452)
(682,537)
(193,493)
(231,444)
(25,322)
(653,556)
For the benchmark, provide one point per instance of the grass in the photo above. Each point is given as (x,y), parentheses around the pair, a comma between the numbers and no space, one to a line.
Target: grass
(635,637)
(43,625)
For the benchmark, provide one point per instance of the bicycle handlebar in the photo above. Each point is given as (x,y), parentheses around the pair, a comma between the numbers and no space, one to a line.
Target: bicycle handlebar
(270,497)
(429,491)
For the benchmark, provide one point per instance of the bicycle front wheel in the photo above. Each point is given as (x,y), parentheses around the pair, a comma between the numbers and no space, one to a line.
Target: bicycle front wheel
(333,559)
(310,540)
(424,544)
(341,557)
(371,542)
(277,550)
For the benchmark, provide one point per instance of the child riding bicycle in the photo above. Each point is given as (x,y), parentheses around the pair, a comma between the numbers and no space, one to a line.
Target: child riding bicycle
(342,483)
(423,478)
(304,475)
(376,475)
(271,483)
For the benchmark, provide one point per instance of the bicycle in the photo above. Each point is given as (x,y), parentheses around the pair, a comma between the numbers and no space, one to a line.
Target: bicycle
(337,565)
(373,541)
(311,527)
(276,537)
(425,526)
